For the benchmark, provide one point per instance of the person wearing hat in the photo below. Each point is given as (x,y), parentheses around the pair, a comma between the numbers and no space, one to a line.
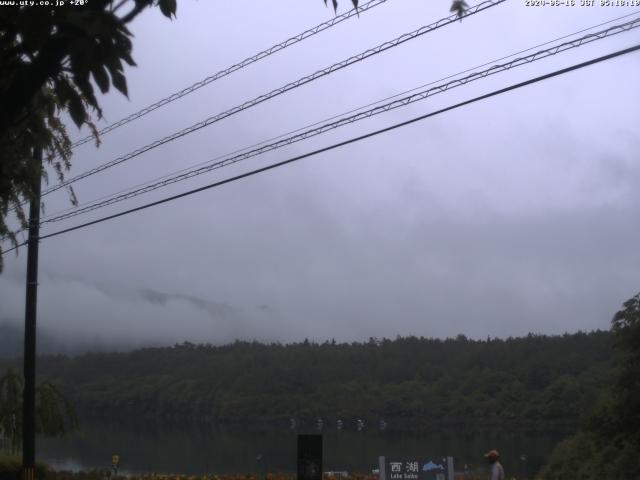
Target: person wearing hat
(496,472)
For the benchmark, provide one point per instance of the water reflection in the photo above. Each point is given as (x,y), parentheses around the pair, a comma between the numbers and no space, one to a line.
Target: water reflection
(193,450)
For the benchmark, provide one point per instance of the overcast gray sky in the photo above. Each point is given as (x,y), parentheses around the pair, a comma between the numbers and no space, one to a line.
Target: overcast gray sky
(518,214)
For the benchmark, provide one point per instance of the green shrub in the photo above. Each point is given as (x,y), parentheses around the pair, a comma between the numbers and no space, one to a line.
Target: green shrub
(11,466)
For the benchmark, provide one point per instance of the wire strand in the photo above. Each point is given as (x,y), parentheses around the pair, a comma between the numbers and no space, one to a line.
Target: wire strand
(238,66)
(279,91)
(300,129)
(539,55)
(348,142)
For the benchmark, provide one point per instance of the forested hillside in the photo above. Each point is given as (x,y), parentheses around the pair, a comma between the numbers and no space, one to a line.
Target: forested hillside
(535,379)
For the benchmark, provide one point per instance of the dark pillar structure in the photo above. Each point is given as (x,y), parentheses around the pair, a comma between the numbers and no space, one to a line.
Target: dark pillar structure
(309,457)
(29,394)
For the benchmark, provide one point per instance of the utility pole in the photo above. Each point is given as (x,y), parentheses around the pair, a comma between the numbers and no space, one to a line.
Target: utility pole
(29,394)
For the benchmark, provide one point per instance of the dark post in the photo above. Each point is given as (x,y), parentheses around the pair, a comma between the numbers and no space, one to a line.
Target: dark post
(29,394)
(309,457)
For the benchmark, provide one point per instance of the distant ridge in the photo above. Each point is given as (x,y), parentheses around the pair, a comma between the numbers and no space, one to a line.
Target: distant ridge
(533,380)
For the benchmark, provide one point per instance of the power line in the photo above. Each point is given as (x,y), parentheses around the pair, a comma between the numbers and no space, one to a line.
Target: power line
(279,91)
(229,70)
(219,157)
(539,55)
(349,141)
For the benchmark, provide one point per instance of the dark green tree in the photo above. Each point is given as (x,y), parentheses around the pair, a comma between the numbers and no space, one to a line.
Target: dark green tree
(52,62)
(626,401)
(407,381)
(609,444)
(55,416)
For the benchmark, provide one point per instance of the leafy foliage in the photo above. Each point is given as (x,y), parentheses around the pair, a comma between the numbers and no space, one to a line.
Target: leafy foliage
(10,408)
(54,414)
(525,381)
(11,468)
(625,408)
(609,444)
(335,4)
(458,6)
(51,60)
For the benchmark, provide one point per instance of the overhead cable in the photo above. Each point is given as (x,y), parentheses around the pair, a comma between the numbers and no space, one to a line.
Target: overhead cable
(415,97)
(279,91)
(233,68)
(334,117)
(346,142)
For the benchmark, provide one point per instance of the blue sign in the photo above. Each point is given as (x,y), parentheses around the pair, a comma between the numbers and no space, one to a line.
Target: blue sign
(414,470)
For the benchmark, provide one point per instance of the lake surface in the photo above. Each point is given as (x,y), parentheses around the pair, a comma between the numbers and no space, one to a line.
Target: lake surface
(198,450)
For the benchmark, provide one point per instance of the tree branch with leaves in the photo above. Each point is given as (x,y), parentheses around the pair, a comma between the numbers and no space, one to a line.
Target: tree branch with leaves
(55,416)
(52,62)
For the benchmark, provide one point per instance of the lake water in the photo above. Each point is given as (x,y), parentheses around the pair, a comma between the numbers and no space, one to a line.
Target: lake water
(194,450)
